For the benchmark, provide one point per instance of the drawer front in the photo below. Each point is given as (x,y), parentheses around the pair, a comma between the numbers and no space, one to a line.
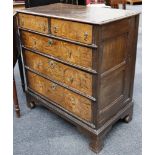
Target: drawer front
(72,102)
(32,22)
(65,74)
(72,30)
(71,53)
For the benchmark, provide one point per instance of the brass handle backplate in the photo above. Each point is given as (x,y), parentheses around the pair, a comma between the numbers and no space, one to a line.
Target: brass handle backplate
(71,79)
(39,64)
(40,85)
(72,99)
(85,36)
(55,29)
(54,86)
(50,42)
(44,26)
(52,64)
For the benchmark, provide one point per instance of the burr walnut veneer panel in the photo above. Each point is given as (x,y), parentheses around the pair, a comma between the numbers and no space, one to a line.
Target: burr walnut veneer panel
(35,23)
(72,53)
(72,30)
(70,76)
(74,103)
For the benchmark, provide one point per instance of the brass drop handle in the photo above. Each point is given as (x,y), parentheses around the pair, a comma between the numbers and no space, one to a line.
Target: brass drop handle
(34,42)
(55,29)
(40,85)
(39,64)
(71,79)
(54,86)
(85,36)
(69,54)
(52,64)
(50,42)
(72,100)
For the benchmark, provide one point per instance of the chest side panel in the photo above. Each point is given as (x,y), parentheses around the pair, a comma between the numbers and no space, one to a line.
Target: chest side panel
(72,30)
(68,52)
(70,101)
(115,68)
(32,22)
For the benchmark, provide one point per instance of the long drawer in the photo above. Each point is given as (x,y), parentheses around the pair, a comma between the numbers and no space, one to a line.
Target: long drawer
(72,102)
(68,52)
(72,77)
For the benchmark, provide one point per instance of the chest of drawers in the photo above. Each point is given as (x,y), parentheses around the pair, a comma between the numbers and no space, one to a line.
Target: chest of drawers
(79,62)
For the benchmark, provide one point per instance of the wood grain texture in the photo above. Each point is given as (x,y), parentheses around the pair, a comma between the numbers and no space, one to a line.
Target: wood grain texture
(72,30)
(65,98)
(114,52)
(115,70)
(64,51)
(33,22)
(72,77)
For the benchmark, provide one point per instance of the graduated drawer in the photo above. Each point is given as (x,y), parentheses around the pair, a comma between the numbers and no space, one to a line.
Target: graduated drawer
(72,77)
(72,30)
(74,103)
(62,50)
(33,22)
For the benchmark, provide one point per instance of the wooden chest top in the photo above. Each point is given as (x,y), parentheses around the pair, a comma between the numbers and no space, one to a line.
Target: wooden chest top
(79,13)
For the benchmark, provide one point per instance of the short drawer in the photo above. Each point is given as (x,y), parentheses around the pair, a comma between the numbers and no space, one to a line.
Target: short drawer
(36,23)
(65,51)
(72,30)
(72,77)
(72,102)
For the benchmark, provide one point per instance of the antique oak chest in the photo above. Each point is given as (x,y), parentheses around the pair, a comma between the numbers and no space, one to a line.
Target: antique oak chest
(79,62)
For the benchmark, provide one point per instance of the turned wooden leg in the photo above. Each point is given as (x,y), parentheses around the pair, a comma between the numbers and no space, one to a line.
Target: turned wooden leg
(15,99)
(31,104)
(128,117)
(96,143)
